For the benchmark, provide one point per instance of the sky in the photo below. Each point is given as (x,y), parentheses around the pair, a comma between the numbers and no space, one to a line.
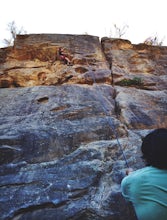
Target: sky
(140,18)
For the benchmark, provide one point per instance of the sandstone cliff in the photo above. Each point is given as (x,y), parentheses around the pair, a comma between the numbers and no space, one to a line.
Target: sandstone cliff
(63,128)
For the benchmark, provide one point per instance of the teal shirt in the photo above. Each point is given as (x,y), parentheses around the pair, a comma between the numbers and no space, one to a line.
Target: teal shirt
(147,190)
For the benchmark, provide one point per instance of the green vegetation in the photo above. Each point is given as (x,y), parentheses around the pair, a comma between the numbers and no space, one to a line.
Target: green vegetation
(136,81)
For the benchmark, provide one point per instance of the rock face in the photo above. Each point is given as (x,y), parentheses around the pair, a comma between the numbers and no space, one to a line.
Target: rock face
(64,129)
(34,61)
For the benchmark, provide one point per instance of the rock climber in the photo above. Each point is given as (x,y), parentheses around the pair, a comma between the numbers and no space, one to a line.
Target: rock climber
(64,57)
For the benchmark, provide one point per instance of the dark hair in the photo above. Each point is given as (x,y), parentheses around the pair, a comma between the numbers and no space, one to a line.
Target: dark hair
(154,148)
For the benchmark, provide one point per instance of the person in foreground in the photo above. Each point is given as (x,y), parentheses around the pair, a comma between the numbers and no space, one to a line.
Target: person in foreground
(146,188)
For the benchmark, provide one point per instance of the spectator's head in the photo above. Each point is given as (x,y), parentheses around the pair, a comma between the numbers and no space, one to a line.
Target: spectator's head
(154,148)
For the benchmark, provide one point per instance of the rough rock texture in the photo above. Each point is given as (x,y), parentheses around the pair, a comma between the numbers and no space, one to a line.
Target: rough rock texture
(144,65)
(34,61)
(63,128)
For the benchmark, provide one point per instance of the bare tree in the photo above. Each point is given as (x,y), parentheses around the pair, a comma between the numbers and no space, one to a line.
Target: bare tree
(14,30)
(154,41)
(118,32)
